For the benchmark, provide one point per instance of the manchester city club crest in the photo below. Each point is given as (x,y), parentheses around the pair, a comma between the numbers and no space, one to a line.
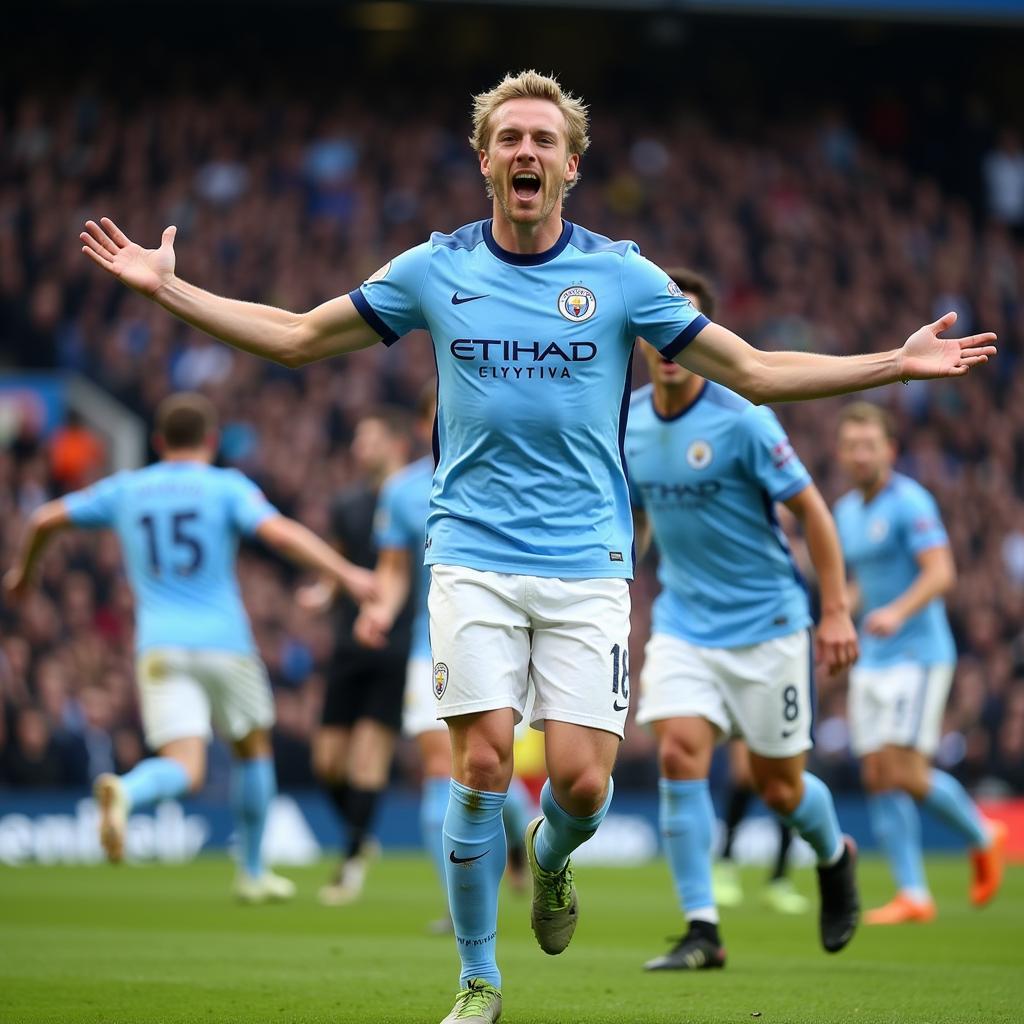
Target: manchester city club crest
(699,454)
(440,679)
(577,303)
(674,290)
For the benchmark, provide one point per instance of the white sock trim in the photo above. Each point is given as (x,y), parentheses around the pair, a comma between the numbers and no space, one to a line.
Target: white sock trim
(709,915)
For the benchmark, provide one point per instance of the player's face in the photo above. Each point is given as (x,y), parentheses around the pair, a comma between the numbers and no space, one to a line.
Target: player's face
(372,446)
(527,161)
(865,453)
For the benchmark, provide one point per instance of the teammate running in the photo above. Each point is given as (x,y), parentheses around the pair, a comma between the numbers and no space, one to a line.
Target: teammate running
(731,648)
(179,522)
(529,536)
(901,565)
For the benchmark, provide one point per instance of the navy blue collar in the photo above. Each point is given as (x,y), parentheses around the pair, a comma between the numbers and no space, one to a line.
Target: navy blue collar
(527,259)
(685,409)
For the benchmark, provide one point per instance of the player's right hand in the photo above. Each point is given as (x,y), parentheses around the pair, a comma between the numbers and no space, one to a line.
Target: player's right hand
(145,270)
(361,584)
(371,627)
(16,585)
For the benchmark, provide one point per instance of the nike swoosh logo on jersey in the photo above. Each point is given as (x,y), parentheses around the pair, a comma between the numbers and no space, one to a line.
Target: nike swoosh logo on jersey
(615,705)
(787,733)
(466,860)
(458,300)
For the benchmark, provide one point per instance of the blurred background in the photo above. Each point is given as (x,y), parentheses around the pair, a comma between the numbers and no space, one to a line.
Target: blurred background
(843,171)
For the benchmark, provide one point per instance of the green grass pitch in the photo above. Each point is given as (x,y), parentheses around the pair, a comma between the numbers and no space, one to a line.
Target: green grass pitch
(148,944)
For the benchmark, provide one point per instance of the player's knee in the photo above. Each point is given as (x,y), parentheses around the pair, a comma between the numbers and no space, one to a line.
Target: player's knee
(782,795)
(586,793)
(680,761)
(482,767)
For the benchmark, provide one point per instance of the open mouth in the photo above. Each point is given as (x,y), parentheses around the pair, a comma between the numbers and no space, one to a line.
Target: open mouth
(525,184)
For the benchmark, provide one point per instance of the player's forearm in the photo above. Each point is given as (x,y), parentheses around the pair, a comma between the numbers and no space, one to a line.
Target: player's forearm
(932,582)
(300,545)
(794,376)
(266,331)
(826,556)
(44,522)
(393,591)
(718,353)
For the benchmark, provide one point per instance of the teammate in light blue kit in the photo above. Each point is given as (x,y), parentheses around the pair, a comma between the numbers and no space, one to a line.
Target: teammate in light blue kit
(901,565)
(529,535)
(730,649)
(400,532)
(179,523)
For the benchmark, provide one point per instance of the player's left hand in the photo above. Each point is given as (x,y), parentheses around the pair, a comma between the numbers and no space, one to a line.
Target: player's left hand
(316,597)
(361,584)
(16,585)
(884,621)
(835,642)
(925,355)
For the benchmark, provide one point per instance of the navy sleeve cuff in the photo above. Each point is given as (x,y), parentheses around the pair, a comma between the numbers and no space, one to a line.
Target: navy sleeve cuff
(685,336)
(369,314)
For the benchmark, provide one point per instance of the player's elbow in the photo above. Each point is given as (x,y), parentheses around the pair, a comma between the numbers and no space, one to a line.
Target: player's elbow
(752,378)
(298,345)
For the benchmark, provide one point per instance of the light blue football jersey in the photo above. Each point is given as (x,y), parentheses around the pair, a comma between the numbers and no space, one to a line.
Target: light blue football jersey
(179,524)
(881,541)
(533,359)
(708,480)
(401,522)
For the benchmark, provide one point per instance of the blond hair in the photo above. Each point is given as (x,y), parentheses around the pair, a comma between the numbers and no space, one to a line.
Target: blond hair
(868,412)
(533,86)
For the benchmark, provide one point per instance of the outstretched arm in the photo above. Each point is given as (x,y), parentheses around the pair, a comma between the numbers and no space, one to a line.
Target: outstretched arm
(42,524)
(299,544)
(292,339)
(792,376)
(835,639)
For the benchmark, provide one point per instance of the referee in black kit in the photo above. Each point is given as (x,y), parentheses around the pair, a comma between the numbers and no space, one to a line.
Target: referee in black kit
(362,713)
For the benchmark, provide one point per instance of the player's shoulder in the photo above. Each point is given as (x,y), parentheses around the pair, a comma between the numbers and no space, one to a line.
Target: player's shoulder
(907,493)
(590,243)
(848,502)
(410,476)
(465,239)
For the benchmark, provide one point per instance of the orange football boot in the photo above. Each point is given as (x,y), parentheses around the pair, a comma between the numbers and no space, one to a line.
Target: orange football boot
(988,865)
(903,909)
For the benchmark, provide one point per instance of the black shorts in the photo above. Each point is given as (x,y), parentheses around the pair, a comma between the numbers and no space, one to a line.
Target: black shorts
(365,684)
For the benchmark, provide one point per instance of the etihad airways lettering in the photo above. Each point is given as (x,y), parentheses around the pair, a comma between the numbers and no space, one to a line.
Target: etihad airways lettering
(505,350)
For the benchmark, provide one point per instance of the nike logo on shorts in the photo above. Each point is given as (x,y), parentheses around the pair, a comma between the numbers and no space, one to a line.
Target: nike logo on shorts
(786,733)
(615,705)
(466,860)
(458,300)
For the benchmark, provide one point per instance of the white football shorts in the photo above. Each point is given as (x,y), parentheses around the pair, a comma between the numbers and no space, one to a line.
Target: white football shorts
(899,705)
(419,708)
(183,690)
(492,634)
(761,692)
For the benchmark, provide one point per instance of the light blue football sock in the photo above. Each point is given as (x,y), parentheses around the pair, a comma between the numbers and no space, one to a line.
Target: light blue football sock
(815,819)
(433,804)
(949,800)
(517,811)
(474,840)
(560,833)
(253,786)
(897,827)
(152,780)
(686,817)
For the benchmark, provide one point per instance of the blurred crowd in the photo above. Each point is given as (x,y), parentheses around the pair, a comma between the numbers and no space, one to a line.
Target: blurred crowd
(816,236)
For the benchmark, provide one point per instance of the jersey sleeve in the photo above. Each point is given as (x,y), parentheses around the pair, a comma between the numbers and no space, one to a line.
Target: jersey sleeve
(771,458)
(95,506)
(389,301)
(656,309)
(920,521)
(249,505)
(388,522)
